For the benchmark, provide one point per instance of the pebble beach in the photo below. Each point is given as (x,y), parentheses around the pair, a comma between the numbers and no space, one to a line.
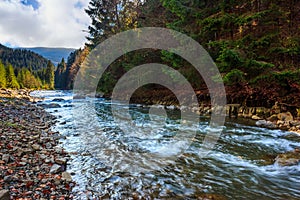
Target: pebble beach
(32,165)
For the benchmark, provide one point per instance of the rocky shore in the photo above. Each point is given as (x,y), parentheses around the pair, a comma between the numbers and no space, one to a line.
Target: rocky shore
(279,116)
(32,165)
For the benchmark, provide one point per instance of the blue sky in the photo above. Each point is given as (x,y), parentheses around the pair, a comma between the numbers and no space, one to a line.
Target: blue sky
(46,23)
(32,3)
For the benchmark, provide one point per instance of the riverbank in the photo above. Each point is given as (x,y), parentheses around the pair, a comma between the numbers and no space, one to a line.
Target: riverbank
(278,115)
(32,163)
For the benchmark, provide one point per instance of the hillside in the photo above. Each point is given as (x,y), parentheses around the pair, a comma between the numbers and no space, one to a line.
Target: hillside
(53,54)
(20,58)
(255,45)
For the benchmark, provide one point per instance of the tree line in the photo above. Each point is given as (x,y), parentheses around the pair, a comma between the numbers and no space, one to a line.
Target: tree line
(255,44)
(24,78)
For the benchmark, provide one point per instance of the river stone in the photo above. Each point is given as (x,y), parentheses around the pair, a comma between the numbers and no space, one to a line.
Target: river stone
(273,118)
(58,100)
(36,147)
(61,161)
(55,169)
(6,158)
(51,105)
(4,195)
(294,123)
(289,158)
(285,116)
(255,117)
(66,176)
(265,124)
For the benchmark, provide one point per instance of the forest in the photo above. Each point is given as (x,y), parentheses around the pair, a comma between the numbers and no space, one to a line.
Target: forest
(255,44)
(25,69)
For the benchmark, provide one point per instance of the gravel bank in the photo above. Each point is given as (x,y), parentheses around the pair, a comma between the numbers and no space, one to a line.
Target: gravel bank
(32,165)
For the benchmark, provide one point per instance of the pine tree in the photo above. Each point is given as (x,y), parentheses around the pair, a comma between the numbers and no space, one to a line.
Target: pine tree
(60,75)
(49,75)
(2,75)
(110,17)
(11,78)
(27,80)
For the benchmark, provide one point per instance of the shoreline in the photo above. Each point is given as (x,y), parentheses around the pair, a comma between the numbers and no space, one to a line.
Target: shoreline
(32,164)
(276,117)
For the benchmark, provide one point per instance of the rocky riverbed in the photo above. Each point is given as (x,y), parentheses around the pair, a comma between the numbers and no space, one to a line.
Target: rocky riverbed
(32,165)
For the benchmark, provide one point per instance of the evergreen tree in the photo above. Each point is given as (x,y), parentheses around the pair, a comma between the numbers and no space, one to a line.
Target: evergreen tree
(11,78)
(27,80)
(60,75)
(2,75)
(49,75)
(110,17)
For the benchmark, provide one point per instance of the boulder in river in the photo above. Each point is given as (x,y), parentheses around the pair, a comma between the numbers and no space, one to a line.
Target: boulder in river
(265,124)
(51,105)
(289,158)
(58,100)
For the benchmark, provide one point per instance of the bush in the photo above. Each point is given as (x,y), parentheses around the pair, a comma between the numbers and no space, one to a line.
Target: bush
(235,76)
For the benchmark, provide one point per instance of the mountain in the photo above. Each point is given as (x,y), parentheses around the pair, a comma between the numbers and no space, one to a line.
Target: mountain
(53,54)
(20,58)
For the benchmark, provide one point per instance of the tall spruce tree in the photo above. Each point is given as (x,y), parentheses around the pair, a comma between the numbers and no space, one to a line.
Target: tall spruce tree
(60,75)
(2,75)
(49,75)
(110,17)
(11,78)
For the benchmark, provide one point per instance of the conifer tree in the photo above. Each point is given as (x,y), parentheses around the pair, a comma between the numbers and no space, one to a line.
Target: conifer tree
(60,75)
(11,78)
(49,75)
(2,75)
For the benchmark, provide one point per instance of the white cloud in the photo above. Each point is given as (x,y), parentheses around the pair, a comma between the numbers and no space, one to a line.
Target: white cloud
(55,23)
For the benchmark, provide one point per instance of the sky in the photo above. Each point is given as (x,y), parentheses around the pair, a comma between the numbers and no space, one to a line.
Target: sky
(43,23)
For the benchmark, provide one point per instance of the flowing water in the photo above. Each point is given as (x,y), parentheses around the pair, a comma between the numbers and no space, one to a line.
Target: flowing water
(135,159)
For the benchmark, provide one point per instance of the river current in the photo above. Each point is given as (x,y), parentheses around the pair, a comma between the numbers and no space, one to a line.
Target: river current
(139,163)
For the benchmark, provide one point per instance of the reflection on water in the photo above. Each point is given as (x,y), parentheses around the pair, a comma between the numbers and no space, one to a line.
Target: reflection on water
(240,167)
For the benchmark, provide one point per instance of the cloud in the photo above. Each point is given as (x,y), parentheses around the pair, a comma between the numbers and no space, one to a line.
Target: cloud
(49,23)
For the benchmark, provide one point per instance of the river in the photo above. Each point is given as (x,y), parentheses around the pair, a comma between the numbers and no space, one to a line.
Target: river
(108,162)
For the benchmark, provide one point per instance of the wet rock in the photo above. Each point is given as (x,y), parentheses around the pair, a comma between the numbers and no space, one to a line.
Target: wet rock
(289,158)
(51,105)
(4,195)
(78,96)
(58,100)
(68,106)
(55,169)
(265,124)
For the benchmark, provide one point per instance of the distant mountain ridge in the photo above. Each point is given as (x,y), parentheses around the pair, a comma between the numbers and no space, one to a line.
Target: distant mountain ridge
(20,58)
(53,54)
